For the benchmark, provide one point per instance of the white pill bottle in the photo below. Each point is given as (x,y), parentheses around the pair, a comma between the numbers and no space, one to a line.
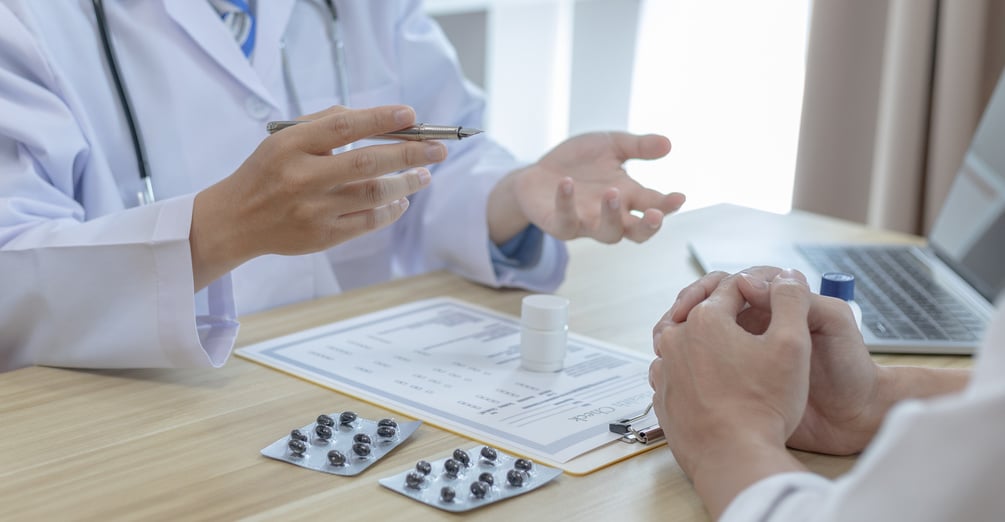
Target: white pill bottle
(543,332)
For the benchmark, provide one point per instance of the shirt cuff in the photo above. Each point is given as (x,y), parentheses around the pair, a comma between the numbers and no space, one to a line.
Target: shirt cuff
(532,260)
(522,251)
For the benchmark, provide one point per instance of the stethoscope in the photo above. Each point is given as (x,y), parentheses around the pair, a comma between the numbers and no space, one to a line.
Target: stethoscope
(146,195)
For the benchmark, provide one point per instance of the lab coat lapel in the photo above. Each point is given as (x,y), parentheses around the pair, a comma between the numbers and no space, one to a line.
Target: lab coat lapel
(200,22)
(273,18)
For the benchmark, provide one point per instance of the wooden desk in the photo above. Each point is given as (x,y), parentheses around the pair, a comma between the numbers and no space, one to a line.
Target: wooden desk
(184,444)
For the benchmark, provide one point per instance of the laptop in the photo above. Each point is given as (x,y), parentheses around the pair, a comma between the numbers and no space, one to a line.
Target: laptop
(934,299)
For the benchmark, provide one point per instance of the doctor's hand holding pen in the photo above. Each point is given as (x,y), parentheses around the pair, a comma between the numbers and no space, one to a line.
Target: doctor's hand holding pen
(293,196)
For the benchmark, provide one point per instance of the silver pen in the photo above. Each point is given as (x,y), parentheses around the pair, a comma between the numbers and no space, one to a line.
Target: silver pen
(418,132)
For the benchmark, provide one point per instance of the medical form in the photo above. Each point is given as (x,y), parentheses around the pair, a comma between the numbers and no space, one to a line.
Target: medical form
(457,366)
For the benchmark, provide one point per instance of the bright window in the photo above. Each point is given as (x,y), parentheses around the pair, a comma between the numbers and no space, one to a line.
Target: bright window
(723,80)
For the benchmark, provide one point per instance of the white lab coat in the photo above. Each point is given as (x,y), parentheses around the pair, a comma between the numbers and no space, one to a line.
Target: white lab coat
(932,460)
(90,279)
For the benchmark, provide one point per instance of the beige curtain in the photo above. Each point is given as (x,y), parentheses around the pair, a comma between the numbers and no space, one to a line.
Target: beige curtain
(894,90)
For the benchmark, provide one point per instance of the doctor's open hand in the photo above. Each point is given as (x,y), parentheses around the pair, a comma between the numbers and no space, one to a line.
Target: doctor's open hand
(293,196)
(580,189)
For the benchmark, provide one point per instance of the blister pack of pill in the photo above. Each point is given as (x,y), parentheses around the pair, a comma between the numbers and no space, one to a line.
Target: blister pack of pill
(341,443)
(469,479)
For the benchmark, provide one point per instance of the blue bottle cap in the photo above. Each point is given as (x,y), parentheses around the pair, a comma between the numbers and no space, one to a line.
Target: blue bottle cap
(838,284)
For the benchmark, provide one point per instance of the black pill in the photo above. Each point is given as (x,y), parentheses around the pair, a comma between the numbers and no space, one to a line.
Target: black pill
(325,420)
(297,446)
(325,432)
(336,458)
(462,457)
(479,489)
(423,467)
(387,422)
(515,477)
(451,467)
(487,478)
(413,479)
(523,464)
(361,438)
(347,417)
(298,435)
(447,494)
(363,450)
(386,432)
(489,453)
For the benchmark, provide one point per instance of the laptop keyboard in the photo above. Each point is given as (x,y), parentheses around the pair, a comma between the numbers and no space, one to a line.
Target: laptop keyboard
(897,293)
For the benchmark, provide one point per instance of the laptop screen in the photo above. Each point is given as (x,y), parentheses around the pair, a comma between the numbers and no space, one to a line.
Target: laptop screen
(969,234)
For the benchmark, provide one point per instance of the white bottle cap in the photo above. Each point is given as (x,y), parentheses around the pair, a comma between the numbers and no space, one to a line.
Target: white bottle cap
(544,312)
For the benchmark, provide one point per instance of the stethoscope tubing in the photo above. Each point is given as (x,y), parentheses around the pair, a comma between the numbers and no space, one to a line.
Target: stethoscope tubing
(146,194)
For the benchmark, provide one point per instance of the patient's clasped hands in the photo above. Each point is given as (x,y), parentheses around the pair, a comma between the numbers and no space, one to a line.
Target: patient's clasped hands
(750,362)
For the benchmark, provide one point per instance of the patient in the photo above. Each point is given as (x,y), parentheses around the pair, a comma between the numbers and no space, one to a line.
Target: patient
(750,363)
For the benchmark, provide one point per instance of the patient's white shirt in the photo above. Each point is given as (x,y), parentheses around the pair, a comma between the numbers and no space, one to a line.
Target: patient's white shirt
(940,459)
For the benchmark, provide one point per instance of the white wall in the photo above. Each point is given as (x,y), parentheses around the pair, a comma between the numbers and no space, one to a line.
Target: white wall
(551,68)
(603,59)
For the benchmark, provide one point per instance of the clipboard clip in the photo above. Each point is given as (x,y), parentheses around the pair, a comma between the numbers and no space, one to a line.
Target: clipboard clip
(631,435)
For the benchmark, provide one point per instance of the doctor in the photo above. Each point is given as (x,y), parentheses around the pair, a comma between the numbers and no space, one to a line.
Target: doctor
(241,221)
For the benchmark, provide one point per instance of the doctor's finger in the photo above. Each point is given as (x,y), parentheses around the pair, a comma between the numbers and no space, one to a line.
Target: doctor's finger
(334,109)
(643,199)
(377,160)
(344,127)
(641,229)
(609,226)
(373,193)
(631,146)
(348,226)
(566,223)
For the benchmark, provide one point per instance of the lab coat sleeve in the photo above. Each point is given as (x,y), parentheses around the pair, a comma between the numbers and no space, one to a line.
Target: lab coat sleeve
(453,232)
(112,290)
